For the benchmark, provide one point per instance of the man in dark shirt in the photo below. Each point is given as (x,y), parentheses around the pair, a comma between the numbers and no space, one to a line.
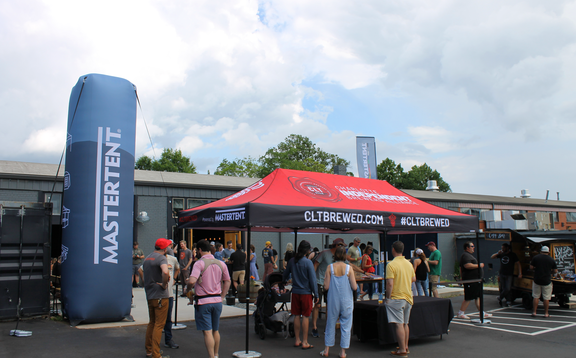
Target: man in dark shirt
(238,260)
(508,260)
(544,266)
(185,262)
(156,278)
(269,260)
(470,269)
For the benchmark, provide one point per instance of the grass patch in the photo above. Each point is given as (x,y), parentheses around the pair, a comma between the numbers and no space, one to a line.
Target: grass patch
(57,318)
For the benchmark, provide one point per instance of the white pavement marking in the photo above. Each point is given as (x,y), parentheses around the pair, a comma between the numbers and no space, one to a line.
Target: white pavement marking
(528,319)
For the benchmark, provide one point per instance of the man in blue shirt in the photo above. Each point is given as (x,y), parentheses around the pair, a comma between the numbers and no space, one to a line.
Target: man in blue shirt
(304,292)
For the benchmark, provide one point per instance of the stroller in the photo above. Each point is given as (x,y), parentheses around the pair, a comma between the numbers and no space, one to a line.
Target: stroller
(266,315)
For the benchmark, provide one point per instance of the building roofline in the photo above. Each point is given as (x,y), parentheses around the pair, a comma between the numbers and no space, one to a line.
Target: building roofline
(41,171)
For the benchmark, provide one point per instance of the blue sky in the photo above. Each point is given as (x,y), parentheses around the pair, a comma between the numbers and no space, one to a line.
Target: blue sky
(482,91)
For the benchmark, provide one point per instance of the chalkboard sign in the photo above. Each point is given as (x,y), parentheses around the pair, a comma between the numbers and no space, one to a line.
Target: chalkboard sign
(497,236)
(563,254)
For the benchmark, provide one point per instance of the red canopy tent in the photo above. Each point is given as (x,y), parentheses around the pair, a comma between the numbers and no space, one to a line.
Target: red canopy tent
(289,200)
(294,200)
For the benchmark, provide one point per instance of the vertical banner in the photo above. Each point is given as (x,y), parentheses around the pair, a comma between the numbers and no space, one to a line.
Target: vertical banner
(366,157)
(98,202)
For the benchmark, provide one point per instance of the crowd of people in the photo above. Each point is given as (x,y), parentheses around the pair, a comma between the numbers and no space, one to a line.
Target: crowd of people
(208,270)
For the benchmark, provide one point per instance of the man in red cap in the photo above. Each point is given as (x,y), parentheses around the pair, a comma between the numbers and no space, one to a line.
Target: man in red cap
(156,278)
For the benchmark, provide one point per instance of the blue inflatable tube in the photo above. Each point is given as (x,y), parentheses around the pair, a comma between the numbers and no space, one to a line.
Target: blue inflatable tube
(98,202)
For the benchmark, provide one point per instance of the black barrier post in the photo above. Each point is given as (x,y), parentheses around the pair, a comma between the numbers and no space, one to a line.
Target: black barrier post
(295,240)
(247,279)
(481,280)
(383,239)
(175,324)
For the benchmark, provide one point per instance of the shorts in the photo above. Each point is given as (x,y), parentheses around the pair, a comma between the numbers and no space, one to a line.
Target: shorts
(471,291)
(434,279)
(301,304)
(322,294)
(545,291)
(398,311)
(207,316)
(239,275)
(135,269)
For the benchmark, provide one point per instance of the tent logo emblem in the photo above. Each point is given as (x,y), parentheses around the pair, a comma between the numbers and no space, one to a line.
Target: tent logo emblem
(392,218)
(314,189)
(188,218)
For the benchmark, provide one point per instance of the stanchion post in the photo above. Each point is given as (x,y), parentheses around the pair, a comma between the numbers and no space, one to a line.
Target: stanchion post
(481,322)
(175,325)
(247,353)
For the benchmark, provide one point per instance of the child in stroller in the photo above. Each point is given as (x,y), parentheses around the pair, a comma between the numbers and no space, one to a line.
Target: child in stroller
(267,316)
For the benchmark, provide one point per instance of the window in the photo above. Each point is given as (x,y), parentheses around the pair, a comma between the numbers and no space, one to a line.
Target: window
(177,205)
(192,203)
(571,217)
(56,202)
(472,211)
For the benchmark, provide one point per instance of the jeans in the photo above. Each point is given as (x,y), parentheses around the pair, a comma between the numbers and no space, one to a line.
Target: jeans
(369,289)
(505,286)
(422,287)
(168,325)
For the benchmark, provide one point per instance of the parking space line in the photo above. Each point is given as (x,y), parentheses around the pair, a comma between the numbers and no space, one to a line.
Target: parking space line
(518,325)
(492,328)
(540,330)
(554,329)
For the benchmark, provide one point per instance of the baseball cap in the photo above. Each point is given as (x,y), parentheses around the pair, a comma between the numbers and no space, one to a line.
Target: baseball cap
(419,252)
(162,243)
(545,249)
(430,243)
(267,243)
(338,241)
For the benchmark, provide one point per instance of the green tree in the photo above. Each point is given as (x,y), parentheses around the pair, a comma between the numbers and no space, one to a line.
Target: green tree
(391,172)
(144,163)
(170,161)
(418,176)
(247,167)
(298,152)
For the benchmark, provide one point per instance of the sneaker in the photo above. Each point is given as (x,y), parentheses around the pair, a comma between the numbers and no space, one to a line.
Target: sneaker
(487,315)
(171,344)
(462,316)
(315,333)
(499,301)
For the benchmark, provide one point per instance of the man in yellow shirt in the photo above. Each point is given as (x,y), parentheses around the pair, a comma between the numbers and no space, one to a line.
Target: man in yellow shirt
(399,278)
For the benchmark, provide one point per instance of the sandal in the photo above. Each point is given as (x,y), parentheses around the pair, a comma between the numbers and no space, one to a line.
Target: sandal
(309,347)
(324,354)
(407,351)
(398,354)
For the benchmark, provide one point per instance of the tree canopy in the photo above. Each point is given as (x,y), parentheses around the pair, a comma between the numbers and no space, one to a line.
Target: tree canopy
(295,152)
(170,161)
(247,167)
(416,178)
(298,152)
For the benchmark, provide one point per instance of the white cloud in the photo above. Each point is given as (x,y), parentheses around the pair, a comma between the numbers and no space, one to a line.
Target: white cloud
(43,140)
(460,85)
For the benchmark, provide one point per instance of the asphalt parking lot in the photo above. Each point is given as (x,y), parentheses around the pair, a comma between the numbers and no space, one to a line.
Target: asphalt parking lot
(513,333)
